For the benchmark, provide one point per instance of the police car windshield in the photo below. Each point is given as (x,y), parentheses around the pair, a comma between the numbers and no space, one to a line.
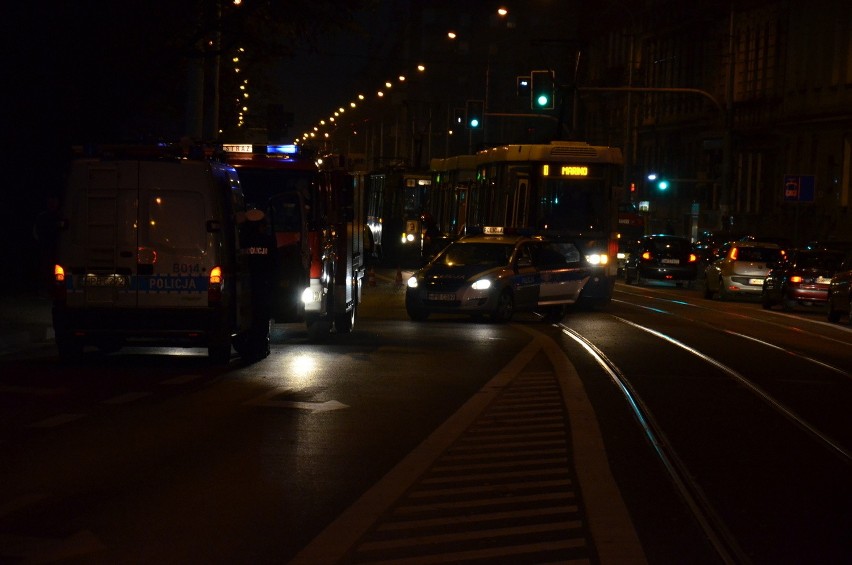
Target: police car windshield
(462,253)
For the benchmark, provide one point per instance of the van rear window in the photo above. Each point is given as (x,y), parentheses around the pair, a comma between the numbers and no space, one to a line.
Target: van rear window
(176,220)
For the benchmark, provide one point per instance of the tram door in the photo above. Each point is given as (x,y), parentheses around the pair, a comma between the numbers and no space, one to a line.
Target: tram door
(517,200)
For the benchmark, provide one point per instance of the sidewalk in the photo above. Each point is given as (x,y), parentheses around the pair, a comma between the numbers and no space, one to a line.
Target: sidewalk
(25,320)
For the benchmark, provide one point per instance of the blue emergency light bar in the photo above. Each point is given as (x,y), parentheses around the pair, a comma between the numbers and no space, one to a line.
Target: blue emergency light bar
(282,149)
(289,149)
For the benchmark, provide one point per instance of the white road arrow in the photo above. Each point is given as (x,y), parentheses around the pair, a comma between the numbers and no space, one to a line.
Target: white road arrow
(268,401)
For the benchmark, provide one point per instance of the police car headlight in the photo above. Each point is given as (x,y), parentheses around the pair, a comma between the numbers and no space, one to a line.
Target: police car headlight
(481,284)
(597,259)
(411,282)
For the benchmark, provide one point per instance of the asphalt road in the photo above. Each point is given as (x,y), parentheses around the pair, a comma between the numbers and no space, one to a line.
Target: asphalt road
(666,429)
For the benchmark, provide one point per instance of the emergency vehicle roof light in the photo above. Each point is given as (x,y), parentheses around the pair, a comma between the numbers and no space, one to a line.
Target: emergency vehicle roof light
(282,149)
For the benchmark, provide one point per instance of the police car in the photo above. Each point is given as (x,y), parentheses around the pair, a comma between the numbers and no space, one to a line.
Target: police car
(495,274)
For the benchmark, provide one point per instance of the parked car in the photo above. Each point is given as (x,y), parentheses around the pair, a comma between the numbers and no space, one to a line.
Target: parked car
(741,270)
(662,258)
(496,275)
(801,279)
(840,292)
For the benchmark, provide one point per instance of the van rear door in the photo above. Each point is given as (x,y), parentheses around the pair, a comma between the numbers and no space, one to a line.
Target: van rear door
(174,249)
(103,235)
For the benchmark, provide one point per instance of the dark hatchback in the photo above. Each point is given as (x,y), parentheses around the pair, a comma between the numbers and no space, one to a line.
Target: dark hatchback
(663,258)
(803,278)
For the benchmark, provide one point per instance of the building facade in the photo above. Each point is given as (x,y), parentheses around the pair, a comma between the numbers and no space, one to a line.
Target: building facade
(763,145)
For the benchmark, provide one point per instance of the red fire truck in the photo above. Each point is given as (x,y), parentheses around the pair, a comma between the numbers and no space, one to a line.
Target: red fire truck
(316,214)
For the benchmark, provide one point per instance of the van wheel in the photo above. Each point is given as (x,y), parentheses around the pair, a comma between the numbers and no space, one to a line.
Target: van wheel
(318,329)
(70,349)
(219,354)
(344,323)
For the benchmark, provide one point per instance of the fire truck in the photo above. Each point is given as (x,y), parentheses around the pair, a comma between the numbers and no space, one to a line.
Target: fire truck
(315,211)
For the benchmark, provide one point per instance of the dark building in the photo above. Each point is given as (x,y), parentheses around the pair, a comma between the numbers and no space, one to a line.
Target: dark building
(774,109)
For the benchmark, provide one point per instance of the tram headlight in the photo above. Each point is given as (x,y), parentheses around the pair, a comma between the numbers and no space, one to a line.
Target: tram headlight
(409,237)
(597,259)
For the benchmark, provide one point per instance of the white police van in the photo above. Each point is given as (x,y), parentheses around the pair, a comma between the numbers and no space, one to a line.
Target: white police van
(149,254)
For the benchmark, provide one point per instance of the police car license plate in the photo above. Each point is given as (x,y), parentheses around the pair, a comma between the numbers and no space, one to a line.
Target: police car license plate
(441,296)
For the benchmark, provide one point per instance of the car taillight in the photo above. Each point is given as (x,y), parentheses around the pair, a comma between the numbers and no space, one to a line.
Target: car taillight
(796,279)
(646,255)
(693,258)
(214,286)
(734,253)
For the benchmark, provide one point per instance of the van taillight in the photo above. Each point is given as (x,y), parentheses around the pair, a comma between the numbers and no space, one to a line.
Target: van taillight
(59,289)
(214,286)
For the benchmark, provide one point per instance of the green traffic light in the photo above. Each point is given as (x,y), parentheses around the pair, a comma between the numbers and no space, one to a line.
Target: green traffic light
(543,101)
(474,123)
(663,184)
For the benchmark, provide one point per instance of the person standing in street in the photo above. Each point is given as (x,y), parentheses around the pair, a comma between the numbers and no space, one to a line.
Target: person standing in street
(259,245)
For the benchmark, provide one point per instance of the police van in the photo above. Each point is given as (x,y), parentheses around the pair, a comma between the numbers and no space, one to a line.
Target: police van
(149,254)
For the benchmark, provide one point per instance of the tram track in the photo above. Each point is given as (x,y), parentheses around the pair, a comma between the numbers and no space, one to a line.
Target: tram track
(690,490)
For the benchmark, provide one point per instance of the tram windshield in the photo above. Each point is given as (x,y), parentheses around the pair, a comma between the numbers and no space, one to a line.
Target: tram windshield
(574,206)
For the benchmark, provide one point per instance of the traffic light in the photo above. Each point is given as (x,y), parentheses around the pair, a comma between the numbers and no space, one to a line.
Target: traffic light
(458,117)
(542,90)
(524,87)
(474,113)
(661,183)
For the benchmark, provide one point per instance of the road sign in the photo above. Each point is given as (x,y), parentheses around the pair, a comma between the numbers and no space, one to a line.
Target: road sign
(799,188)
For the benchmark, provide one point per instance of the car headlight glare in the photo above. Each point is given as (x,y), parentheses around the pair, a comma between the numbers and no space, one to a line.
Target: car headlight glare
(481,284)
(412,282)
(597,259)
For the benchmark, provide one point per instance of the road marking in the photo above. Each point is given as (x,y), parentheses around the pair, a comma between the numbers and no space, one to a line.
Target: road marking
(345,531)
(615,537)
(268,401)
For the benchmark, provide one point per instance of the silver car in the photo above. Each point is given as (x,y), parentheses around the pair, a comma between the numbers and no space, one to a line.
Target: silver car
(741,269)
